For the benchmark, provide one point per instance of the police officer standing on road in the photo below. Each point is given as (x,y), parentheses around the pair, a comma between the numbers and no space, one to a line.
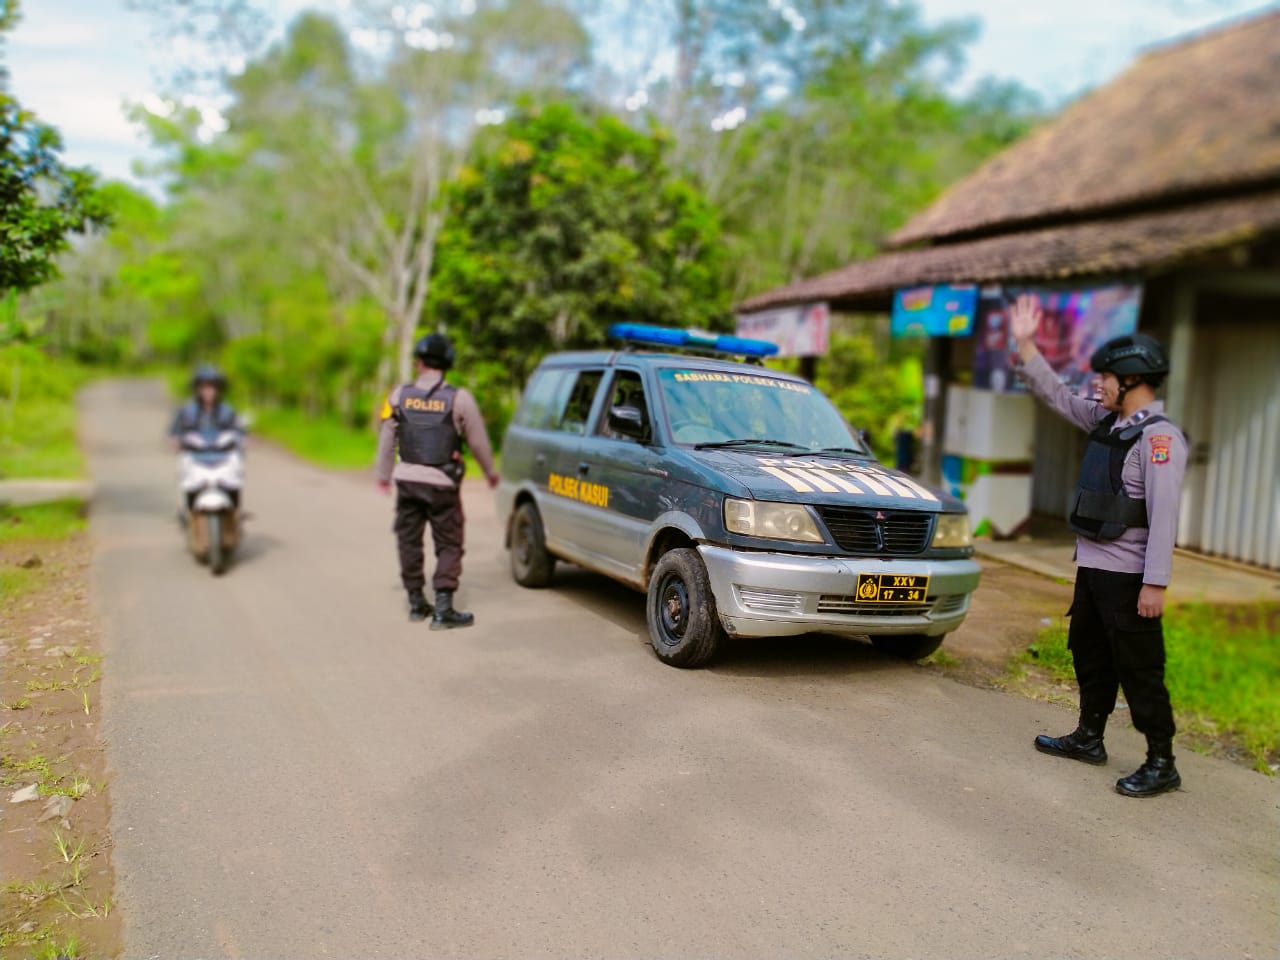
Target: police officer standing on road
(1126,516)
(428,420)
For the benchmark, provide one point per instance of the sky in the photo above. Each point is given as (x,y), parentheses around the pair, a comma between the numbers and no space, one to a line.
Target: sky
(76,63)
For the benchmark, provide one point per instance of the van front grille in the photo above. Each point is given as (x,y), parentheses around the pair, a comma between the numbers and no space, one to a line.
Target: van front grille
(884,533)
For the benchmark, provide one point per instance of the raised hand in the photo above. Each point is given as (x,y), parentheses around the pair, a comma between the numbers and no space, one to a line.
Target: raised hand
(1024,317)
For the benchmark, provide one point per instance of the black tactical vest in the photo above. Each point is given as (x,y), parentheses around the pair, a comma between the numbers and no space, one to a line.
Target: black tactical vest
(427,433)
(1102,510)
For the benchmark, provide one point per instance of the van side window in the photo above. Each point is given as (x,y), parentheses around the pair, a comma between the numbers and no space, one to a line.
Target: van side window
(544,398)
(627,390)
(573,418)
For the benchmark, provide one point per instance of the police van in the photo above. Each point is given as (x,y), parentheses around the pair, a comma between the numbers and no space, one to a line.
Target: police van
(736,497)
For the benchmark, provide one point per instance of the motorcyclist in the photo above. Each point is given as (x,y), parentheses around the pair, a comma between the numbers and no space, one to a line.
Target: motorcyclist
(207,413)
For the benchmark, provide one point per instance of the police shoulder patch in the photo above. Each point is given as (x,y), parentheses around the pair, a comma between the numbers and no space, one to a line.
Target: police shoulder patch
(386,412)
(1160,447)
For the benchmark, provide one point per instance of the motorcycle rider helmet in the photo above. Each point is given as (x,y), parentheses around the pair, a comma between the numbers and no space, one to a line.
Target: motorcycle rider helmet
(208,373)
(436,351)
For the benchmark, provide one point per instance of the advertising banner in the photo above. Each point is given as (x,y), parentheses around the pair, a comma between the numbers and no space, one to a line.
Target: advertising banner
(799,331)
(1075,323)
(938,311)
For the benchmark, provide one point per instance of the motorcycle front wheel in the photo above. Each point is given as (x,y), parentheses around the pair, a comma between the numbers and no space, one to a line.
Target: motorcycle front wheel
(217,553)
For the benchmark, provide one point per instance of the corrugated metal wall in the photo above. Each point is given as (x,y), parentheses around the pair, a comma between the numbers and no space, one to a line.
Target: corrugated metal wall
(1231,504)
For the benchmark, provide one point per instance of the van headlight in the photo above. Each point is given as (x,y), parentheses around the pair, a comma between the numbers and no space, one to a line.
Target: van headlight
(772,521)
(952,531)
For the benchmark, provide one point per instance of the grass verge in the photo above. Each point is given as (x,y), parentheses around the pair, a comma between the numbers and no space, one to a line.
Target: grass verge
(38,414)
(1223,672)
(324,441)
(46,521)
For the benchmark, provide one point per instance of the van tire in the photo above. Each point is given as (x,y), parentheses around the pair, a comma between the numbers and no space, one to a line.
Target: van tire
(531,565)
(907,646)
(684,627)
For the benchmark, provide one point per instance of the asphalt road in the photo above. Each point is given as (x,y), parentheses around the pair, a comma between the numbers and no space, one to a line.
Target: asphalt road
(300,772)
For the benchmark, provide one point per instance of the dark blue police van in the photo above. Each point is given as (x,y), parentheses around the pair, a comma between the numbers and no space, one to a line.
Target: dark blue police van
(735,496)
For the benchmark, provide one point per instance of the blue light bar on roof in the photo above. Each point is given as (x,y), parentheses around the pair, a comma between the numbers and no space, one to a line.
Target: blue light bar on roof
(642,333)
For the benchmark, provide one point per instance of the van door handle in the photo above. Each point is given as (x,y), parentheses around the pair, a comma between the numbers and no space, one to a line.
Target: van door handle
(583,467)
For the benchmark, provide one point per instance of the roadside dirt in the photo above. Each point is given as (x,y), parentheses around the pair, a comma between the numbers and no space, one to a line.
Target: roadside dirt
(56,856)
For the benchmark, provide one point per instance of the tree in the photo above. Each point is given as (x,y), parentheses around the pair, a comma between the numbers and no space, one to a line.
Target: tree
(41,200)
(363,163)
(568,221)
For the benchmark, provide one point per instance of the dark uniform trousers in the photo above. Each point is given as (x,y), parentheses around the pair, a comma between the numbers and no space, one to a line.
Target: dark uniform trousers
(1113,648)
(418,504)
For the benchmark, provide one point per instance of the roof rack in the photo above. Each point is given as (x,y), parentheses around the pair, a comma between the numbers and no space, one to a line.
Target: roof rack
(642,334)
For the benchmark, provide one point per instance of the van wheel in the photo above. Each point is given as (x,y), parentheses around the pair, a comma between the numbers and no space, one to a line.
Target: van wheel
(684,627)
(907,646)
(531,564)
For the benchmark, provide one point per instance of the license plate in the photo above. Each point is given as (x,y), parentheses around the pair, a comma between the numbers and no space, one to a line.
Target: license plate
(891,588)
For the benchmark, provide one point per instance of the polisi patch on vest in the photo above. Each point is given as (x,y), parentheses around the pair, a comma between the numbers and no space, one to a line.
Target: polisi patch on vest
(1160,448)
(426,405)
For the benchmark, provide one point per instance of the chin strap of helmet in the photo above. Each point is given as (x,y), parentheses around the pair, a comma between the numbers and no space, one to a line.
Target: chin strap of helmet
(1126,387)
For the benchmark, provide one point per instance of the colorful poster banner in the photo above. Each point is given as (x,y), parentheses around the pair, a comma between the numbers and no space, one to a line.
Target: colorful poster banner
(1075,323)
(938,311)
(798,331)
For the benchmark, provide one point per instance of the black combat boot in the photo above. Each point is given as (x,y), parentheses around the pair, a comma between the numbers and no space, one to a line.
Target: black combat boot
(1155,776)
(419,609)
(1084,743)
(446,618)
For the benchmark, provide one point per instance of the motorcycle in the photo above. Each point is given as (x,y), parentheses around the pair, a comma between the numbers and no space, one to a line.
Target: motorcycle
(211,475)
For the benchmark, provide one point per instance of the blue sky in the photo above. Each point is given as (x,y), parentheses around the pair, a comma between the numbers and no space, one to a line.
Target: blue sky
(76,62)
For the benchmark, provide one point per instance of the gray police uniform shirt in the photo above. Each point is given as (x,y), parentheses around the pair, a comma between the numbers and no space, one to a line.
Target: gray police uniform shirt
(466,420)
(1152,472)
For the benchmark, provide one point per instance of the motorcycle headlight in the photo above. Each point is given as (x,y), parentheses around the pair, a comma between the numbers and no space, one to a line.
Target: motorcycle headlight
(772,521)
(952,531)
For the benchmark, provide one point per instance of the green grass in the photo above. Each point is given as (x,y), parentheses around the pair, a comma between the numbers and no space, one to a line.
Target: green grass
(1223,671)
(38,415)
(45,521)
(323,441)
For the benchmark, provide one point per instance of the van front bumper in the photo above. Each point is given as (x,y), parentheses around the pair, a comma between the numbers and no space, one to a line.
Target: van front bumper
(784,594)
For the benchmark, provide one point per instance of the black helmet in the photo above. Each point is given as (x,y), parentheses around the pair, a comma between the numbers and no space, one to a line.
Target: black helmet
(435,350)
(208,373)
(1138,355)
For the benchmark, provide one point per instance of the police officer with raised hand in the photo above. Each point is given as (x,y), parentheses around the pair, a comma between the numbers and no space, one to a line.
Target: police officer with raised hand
(1125,514)
(428,420)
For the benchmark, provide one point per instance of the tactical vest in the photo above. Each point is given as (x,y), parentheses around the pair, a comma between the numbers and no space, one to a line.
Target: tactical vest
(427,433)
(1102,509)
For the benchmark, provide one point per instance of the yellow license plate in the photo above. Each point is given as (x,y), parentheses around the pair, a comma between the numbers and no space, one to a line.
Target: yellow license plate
(891,588)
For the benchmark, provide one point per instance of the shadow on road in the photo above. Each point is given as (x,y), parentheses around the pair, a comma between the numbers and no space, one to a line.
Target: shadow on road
(810,655)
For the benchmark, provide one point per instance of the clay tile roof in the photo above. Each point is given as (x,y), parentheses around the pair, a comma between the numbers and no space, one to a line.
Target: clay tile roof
(1194,117)
(1132,243)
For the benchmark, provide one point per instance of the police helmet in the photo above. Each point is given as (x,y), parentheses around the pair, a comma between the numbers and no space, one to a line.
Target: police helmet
(208,373)
(435,350)
(1139,355)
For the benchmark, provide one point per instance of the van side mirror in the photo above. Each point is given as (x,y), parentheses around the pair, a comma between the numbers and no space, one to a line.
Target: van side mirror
(628,422)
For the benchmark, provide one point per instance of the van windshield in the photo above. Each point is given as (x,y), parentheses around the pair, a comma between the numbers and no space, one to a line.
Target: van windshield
(721,408)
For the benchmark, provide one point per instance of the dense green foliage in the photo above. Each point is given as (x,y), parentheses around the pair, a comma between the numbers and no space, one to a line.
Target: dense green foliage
(458,174)
(38,414)
(564,224)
